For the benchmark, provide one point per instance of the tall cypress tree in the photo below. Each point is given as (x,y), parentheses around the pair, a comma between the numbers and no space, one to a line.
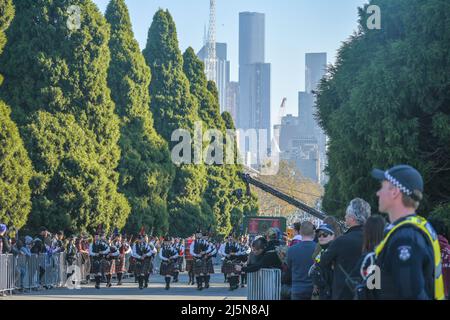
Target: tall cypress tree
(145,168)
(56,79)
(223,179)
(244,204)
(15,166)
(218,192)
(386,102)
(173,108)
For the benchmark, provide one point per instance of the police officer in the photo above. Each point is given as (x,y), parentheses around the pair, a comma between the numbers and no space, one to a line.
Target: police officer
(408,258)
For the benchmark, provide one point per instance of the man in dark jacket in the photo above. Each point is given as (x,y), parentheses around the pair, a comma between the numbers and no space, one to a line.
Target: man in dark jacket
(343,254)
(300,260)
(5,246)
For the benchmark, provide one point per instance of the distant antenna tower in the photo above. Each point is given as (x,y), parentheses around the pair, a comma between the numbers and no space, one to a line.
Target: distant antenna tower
(211,59)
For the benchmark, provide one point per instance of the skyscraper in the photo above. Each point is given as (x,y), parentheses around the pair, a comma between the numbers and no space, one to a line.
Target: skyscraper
(316,64)
(222,71)
(302,141)
(251,38)
(254,78)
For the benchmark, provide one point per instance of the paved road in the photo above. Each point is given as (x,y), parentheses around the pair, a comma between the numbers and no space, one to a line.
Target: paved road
(129,291)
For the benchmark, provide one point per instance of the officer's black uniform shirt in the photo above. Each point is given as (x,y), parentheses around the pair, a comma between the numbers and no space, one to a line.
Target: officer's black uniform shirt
(407,265)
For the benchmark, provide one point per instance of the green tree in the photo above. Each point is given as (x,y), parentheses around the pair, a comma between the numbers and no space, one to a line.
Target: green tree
(56,81)
(145,167)
(174,108)
(218,192)
(243,204)
(15,166)
(385,102)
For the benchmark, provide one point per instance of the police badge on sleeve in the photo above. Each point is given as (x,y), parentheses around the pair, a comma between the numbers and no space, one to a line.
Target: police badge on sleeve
(404,253)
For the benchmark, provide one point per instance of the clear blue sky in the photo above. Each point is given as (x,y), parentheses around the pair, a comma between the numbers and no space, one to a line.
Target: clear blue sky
(293,28)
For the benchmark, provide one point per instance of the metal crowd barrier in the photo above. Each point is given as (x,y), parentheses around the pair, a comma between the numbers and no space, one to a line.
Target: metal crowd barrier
(7,273)
(264,285)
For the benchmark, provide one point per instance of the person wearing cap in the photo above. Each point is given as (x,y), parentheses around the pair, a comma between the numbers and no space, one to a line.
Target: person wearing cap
(202,251)
(189,260)
(343,254)
(179,247)
(143,253)
(98,250)
(231,253)
(210,253)
(244,254)
(169,256)
(71,255)
(322,279)
(5,246)
(408,257)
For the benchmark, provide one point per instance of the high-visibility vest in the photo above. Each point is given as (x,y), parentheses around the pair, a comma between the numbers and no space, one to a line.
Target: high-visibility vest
(423,225)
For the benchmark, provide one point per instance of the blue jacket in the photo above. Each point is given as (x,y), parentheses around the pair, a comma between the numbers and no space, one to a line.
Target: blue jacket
(299,260)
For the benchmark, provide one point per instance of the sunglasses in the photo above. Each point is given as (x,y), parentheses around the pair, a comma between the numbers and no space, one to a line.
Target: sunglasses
(323,235)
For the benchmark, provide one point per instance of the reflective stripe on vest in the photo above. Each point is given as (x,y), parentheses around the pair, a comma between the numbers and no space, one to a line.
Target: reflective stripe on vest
(423,225)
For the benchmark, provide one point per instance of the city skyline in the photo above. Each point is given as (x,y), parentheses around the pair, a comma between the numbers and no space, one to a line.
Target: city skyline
(307,26)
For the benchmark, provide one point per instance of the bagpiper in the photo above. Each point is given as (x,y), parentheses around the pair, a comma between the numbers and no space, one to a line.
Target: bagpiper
(98,250)
(119,249)
(202,251)
(143,254)
(169,258)
(179,247)
(245,252)
(231,252)
(189,260)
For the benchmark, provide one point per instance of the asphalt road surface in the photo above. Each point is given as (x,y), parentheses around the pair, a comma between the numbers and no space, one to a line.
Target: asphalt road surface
(129,291)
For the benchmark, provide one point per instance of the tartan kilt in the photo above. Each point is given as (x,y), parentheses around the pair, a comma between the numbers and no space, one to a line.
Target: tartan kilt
(228,267)
(189,265)
(100,265)
(202,266)
(167,268)
(143,266)
(180,264)
(120,264)
(112,266)
(132,265)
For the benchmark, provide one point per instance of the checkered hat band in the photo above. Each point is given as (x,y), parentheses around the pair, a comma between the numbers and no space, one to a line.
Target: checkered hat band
(396,183)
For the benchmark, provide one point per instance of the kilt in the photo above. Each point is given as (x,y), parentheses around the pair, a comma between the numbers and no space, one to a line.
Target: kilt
(202,266)
(143,266)
(100,265)
(180,264)
(132,265)
(228,266)
(120,264)
(189,265)
(167,268)
(112,266)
